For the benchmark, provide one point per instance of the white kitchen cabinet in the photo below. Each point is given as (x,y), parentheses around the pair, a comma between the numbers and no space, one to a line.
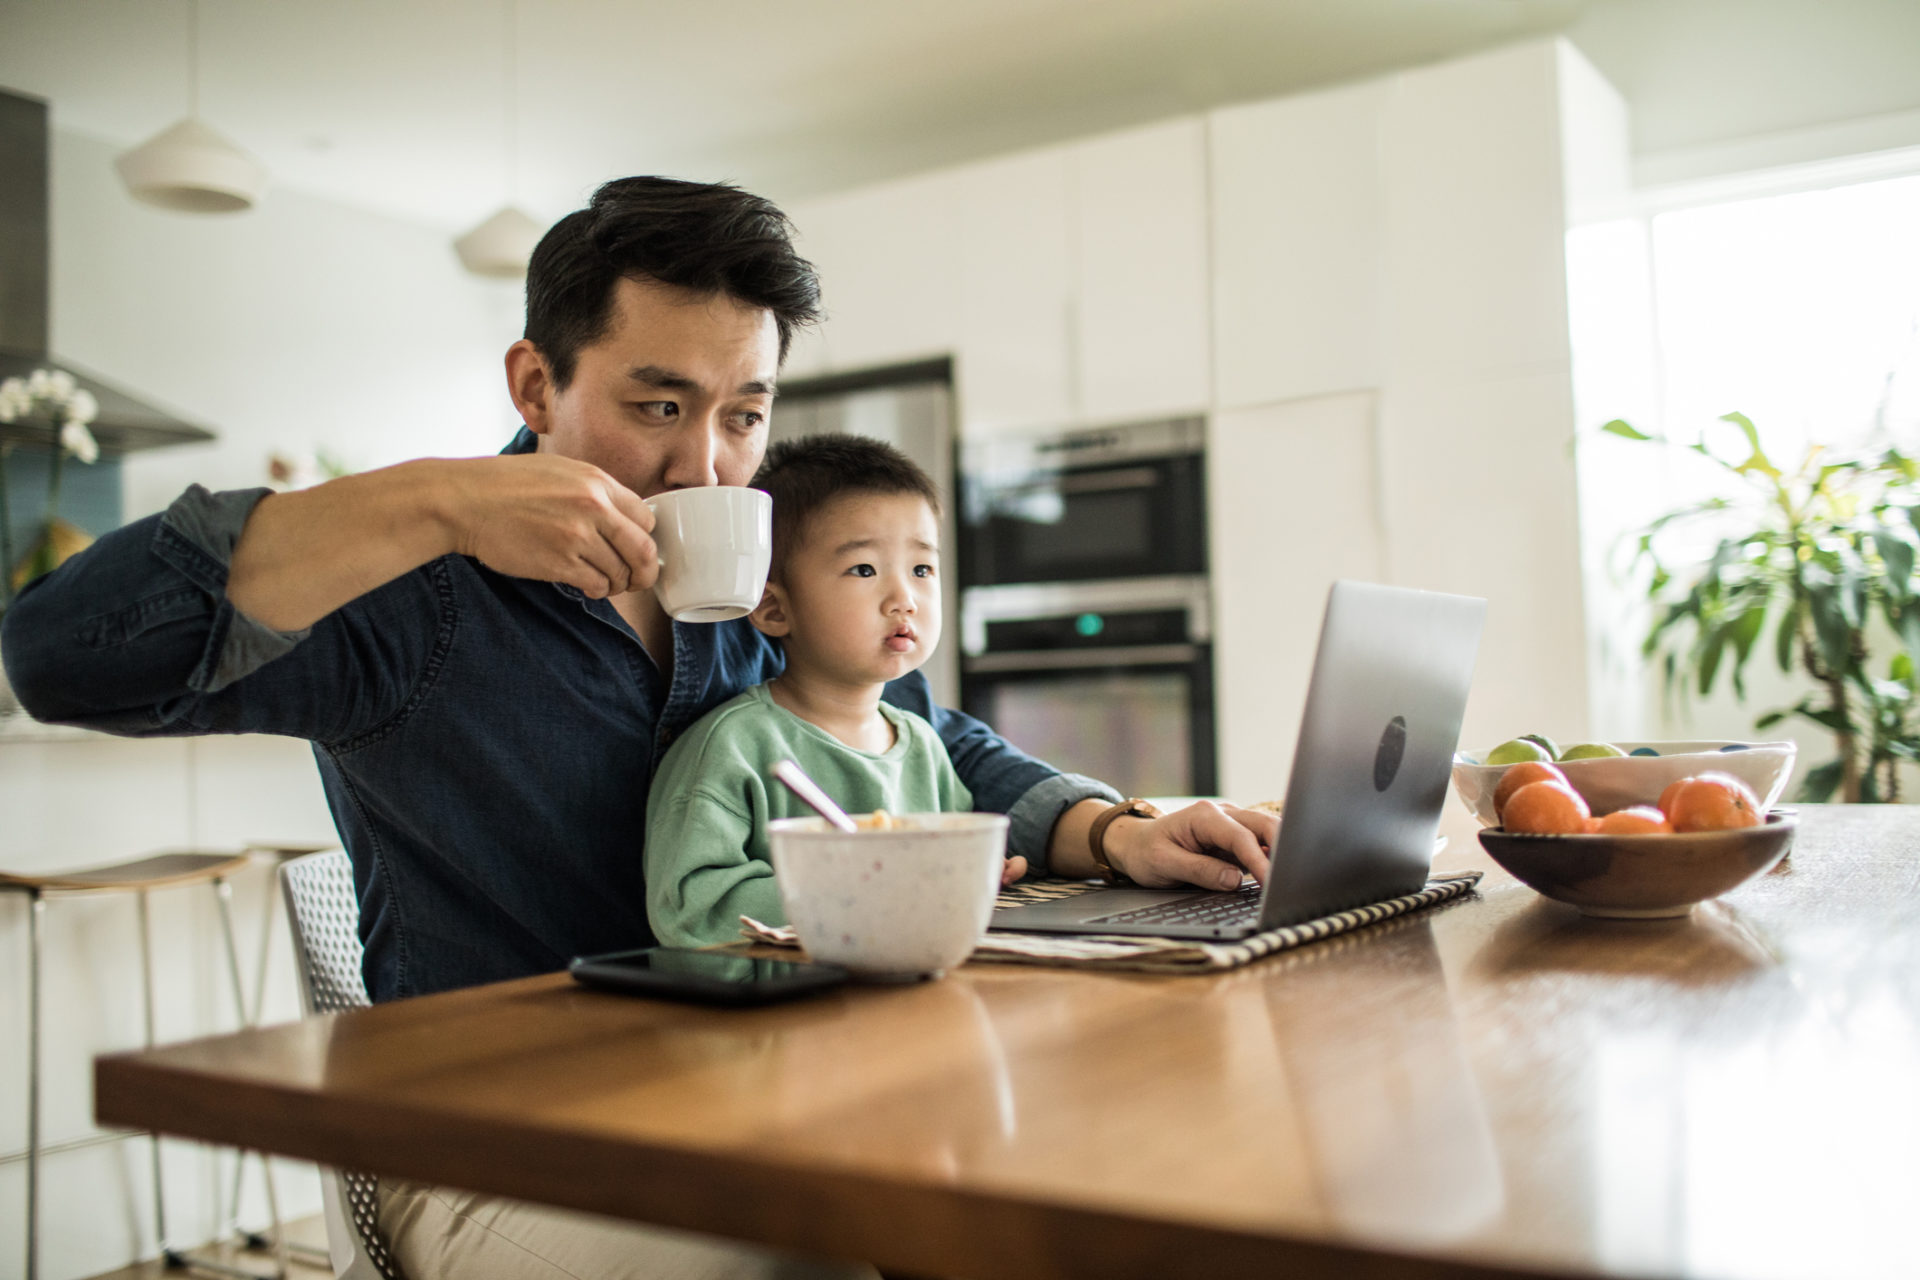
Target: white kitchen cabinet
(1140,273)
(1297,200)
(1293,506)
(1474,225)
(1014,251)
(889,279)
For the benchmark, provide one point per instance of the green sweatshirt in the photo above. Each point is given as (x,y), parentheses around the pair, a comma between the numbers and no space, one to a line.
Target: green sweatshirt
(707,860)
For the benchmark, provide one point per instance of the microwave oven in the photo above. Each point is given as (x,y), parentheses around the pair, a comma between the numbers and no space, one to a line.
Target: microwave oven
(1084,506)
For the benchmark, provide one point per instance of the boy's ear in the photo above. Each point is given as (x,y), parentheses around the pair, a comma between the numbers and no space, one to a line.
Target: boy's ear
(769,617)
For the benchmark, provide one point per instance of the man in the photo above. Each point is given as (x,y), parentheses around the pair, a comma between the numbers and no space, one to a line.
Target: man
(474,649)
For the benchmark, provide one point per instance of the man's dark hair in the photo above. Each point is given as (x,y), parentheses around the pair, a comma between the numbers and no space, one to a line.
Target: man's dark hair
(708,237)
(806,474)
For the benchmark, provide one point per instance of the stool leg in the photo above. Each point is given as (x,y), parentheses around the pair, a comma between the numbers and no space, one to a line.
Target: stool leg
(224,893)
(146,1005)
(35,910)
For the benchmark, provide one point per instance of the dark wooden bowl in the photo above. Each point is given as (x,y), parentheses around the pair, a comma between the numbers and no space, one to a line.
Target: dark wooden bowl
(1641,877)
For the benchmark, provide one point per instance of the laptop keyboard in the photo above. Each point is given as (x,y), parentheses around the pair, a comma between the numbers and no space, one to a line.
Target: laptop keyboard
(1211,909)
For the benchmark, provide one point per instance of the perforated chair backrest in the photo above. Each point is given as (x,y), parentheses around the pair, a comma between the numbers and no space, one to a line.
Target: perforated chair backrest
(326,931)
(325,920)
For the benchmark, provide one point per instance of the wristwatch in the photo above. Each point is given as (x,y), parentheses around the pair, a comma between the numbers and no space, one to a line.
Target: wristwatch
(1097,834)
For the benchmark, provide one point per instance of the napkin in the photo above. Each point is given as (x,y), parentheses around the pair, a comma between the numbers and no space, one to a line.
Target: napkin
(1158,955)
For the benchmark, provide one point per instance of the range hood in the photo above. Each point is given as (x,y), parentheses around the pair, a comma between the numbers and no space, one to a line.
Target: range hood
(125,421)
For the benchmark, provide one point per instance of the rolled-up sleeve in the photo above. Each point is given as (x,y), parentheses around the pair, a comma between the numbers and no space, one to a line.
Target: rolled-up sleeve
(135,636)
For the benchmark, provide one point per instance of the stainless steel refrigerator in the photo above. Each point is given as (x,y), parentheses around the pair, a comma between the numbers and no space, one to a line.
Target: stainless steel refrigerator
(915,415)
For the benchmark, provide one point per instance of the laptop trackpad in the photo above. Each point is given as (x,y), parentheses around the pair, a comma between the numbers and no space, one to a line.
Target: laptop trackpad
(1091,905)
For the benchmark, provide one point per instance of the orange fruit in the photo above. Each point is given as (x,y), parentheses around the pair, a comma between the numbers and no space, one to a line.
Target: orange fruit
(1519,775)
(1711,802)
(1546,808)
(1640,820)
(1666,797)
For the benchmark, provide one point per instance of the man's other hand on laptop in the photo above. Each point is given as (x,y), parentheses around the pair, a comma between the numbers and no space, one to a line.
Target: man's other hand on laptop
(1205,844)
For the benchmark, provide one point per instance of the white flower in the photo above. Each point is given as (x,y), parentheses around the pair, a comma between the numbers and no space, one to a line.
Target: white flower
(39,383)
(82,408)
(62,385)
(14,400)
(78,441)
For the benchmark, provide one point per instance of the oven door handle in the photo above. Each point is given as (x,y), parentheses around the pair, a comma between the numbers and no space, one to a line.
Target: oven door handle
(1074,482)
(1138,655)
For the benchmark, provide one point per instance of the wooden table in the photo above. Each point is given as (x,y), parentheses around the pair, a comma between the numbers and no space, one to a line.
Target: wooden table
(1499,1086)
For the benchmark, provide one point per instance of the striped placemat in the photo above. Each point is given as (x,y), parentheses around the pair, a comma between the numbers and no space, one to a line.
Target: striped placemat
(1159,955)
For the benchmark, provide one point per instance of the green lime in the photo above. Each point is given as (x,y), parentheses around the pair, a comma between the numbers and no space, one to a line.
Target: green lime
(1517,751)
(1591,751)
(1552,748)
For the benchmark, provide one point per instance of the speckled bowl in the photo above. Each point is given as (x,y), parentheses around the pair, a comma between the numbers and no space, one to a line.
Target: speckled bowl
(1619,782)
(894,905)
(1641,877)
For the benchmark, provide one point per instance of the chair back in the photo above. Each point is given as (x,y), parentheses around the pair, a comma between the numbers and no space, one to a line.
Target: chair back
(326,931)
(325,920)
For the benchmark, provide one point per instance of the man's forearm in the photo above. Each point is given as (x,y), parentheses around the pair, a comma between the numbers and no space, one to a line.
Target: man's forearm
(303,555)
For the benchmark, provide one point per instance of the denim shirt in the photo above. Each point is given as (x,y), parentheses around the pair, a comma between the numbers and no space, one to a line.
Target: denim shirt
(485,742)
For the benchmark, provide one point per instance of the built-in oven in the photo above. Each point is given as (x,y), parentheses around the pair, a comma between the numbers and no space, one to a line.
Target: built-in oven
(1082,506)
(1112,679)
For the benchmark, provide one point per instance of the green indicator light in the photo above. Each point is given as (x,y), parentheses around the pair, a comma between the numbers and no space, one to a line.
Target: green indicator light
(1089,624)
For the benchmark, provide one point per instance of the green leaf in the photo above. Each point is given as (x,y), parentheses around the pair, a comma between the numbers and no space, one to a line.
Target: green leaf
(1820,783)
(1898,554)
(1757,460)
(1742,632)
(1901,668)
(1910,630)
(1834,718)
(1832,635)
(1784,638)
(1769,720)
(1620,427)
(1709,663)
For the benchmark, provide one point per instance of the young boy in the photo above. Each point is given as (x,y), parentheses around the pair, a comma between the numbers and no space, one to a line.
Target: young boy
(854,599)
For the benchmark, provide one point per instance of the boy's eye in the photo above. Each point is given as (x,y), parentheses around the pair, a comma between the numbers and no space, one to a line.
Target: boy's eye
(862,571)
(923,571)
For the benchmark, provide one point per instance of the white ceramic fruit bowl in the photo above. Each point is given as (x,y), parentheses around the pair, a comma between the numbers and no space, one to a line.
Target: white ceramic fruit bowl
(1617,782)
(890,905)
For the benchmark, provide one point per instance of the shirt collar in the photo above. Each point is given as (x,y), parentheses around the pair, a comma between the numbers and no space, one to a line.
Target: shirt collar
(524,441)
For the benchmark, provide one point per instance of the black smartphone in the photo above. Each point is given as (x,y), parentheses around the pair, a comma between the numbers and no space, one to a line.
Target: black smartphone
(705,977)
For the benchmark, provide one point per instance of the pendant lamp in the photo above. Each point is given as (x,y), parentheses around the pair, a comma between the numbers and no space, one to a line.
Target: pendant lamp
(501,245)
(187,166)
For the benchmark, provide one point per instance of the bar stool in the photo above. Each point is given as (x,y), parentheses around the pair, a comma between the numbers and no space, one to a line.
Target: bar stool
(139,877)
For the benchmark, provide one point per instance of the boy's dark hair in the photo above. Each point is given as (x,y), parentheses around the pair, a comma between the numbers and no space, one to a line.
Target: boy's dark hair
(806,474)
(709,237)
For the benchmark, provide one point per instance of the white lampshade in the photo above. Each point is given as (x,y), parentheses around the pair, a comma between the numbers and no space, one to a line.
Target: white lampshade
(191,168)
(500,246)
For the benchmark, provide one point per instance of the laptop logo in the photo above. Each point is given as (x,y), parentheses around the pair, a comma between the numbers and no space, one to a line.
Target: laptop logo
(1393,747)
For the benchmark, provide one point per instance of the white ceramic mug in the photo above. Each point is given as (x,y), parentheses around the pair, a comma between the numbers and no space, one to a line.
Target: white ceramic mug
(716,544)
(890,905)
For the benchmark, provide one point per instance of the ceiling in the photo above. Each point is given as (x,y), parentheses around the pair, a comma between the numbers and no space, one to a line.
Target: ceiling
(401,106)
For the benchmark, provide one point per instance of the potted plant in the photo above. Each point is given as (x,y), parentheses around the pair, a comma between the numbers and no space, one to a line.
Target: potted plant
(47,402)
(1817,564)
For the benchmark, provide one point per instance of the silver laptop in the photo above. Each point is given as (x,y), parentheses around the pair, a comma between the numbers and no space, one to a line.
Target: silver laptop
(1370,775)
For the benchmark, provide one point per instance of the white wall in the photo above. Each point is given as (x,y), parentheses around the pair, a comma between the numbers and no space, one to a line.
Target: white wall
(298,326)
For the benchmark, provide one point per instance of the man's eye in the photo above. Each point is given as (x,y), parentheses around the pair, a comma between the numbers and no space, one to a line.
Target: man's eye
(862,571)
(749,420)
(659,409)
